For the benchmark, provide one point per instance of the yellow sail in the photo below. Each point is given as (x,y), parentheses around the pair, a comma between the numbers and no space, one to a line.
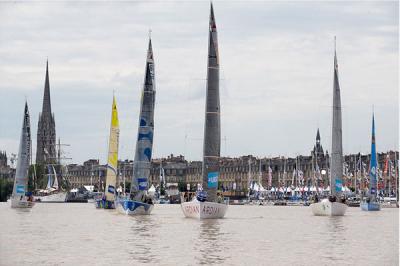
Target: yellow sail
(112,154)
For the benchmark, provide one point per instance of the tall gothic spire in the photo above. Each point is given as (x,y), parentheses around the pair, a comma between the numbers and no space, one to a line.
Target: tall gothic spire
(46,134)
(46,109)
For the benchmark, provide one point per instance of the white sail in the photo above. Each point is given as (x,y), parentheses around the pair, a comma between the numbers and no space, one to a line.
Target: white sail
(337,147)
(55,184)
(49,179)
(333,206)
(18,198)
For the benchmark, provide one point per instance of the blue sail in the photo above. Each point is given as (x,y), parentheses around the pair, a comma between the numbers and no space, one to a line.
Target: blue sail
(371,203)
(373,163)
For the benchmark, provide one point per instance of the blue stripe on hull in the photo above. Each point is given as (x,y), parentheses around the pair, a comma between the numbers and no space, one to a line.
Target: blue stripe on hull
(105,204)
(135,207)
(372,206)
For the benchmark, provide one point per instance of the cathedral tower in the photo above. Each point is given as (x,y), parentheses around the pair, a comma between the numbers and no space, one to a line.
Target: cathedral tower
(46,134)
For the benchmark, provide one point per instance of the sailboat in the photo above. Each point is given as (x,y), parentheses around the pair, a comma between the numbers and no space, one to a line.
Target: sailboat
(207,204)
(333,206)
(19,198)
(370,203)
(53,192)
(138,201)
(108,200)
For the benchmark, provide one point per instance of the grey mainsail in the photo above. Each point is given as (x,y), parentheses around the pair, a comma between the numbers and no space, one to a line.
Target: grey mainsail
(24,155)
(337,148)
(212,128)
(144,143)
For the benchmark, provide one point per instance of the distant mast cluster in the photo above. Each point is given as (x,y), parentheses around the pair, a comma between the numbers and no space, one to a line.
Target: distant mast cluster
(46,134)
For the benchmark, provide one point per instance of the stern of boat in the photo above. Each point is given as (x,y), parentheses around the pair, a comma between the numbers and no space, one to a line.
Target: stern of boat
(204,210)
(327,208)
(18,203)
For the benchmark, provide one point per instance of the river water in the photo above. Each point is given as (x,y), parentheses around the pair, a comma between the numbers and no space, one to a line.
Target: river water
(78,234)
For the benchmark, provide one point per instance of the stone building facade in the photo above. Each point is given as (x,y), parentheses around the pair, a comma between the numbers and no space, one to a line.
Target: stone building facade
(236,174)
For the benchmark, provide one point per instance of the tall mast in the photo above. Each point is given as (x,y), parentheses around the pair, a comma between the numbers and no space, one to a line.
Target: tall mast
(259,172)
(144,143)
(212,127)
(355,174)
(389,172)
(337,148)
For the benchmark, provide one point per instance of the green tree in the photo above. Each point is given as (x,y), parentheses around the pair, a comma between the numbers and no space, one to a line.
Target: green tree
(162,189)
(182,186)
(127,186)
(41,178)
(6,188)
(31,181)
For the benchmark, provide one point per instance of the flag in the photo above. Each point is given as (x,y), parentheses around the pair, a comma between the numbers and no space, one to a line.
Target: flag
(318,173)
(385,170)
(301,177)
(293,176)
(269,176)
(392,170)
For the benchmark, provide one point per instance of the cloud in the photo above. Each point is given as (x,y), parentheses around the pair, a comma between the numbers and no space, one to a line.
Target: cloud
(276,73)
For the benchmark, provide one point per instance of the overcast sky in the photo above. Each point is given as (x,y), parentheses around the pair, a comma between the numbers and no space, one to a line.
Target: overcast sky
(276,73)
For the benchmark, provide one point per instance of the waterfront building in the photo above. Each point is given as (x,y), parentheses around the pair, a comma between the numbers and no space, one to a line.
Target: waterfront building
(236,174)
(46,133)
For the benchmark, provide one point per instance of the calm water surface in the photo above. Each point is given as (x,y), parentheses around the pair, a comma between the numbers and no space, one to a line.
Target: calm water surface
(78,234)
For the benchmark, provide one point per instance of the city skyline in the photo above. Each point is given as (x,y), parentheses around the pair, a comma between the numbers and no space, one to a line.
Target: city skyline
(276,74)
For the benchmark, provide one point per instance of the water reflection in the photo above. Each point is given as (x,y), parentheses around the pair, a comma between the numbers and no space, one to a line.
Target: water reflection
(142,235)
(335,231)
(210,243)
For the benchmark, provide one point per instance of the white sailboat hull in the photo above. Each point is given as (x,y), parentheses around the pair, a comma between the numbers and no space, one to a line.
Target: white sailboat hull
(59,197)
(327,208)
(204,210)
(18,203)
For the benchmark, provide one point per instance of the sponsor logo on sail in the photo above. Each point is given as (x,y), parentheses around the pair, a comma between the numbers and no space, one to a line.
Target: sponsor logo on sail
(111,189)
(20,189)
(142,183)
(212,180)
(338,185)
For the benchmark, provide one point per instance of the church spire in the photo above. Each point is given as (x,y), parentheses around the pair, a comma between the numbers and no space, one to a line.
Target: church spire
(46,109)
(46,134)
(318,138)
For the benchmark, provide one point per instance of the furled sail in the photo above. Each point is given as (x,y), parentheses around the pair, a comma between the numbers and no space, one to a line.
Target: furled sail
(212,127)
(112,163)
(337,148)
(55,184)
(49,174)
(24,153)
(144,143)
